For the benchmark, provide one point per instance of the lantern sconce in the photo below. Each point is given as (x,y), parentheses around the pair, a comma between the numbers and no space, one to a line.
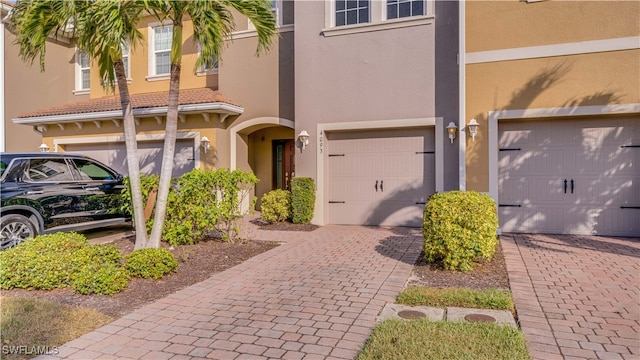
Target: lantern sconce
(205,143)
(473,128)
(451,128)
(43,148)
(304,138)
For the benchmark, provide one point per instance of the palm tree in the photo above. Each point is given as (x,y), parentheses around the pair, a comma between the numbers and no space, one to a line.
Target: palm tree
(101,27)
(212,23)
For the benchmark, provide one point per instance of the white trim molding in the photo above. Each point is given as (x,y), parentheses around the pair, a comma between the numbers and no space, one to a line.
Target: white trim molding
(529,114)
(573,48)
(319,215)
(217,107)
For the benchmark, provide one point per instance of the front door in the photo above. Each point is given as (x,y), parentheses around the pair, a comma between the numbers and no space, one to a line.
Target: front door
(283,164)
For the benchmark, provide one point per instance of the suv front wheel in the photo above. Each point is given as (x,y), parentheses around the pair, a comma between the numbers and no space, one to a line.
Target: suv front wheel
(14,229)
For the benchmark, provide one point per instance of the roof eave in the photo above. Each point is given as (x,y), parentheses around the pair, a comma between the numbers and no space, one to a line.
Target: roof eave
(217,107)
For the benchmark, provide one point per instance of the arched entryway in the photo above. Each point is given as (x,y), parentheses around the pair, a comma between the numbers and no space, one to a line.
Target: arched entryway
(265,146)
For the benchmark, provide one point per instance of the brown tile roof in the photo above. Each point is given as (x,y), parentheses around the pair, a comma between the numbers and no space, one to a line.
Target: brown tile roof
(139,101)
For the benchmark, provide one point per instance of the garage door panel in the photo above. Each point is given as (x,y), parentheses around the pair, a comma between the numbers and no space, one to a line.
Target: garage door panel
(149,155)
(377,177)
(590,154)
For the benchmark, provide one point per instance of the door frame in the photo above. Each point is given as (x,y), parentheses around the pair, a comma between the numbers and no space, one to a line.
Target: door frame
(320,215)
(288,150)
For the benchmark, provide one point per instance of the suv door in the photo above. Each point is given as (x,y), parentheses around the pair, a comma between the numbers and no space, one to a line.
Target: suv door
(48,183)
(102,187)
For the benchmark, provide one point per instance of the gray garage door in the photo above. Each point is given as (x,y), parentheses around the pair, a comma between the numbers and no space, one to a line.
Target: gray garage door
(579,176)
(380,177)
(149,153)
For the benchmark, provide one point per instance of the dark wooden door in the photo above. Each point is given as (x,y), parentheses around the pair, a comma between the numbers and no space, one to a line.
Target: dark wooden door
(283,163)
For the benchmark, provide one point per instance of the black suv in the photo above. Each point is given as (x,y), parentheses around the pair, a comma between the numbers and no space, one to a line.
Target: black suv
(43,193)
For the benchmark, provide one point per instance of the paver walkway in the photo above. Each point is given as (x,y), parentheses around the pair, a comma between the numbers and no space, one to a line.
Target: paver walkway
(576,297)
(315,297)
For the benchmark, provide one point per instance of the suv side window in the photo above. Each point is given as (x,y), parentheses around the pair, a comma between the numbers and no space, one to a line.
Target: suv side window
(89,170)
(47,170)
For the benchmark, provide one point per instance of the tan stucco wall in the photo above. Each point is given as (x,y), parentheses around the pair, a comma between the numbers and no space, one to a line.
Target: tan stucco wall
(578,80)
(139,58)
(263,85)
(28,89)
(492,25)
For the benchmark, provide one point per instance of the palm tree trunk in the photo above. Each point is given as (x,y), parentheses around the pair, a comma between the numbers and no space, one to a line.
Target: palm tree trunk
(132,155)
(171,131)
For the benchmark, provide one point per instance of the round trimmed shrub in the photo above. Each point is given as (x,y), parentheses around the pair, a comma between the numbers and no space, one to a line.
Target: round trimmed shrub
(150,263)
(460,227)
(276,205)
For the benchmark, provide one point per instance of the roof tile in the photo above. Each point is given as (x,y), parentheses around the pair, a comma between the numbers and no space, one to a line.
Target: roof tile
(139,101)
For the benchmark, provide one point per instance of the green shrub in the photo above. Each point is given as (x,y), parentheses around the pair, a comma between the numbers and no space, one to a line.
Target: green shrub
(202,201)
(100,278)
(63,260)
(147,182)
(44,262)
(303,198)
(460,227)
(276,205)
(151,263)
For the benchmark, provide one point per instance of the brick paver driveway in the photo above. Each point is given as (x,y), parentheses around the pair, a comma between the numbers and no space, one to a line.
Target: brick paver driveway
(316,296)
(577,297)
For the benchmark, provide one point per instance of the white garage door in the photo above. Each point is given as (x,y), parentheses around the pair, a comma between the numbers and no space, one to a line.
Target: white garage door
(578,176)
(380,177)
(149,153)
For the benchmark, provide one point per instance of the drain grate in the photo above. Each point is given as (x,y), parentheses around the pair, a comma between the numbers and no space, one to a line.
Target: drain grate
(480,318)
(411,314)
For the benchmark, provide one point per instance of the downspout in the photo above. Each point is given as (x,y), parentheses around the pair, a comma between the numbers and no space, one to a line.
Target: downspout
(462,90)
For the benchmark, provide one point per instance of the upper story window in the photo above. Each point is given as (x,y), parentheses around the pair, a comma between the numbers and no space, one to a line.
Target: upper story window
(160,37)
(404,8)
(358,16)
(207,68)
(276,9)
(349,12)
(125,60)
(83,71)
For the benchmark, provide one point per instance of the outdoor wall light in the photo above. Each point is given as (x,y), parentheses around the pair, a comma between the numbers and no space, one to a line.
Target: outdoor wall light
(473,128)
(451,128)
(43,148)
(304,138)
(205,143)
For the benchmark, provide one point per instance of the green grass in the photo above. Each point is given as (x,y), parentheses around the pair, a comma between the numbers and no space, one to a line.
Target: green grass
(30,325)
(457,297)
(424,339)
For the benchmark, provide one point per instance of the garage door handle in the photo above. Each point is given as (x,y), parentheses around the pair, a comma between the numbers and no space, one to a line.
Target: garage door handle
(381,185)
(572,186)
(565,186)
(376,186)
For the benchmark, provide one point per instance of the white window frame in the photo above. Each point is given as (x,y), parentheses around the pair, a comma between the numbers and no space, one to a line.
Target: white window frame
(126,55)
(79,89)
(151,73)
(377,19)
(276,9)
(386,15)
